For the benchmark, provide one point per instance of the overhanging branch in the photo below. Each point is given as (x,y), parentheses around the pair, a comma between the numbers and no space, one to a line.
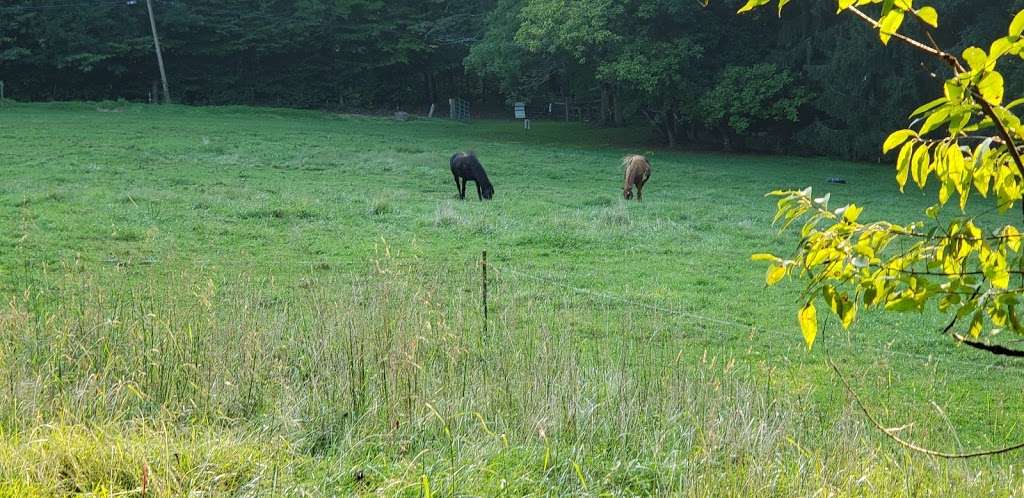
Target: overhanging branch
(990,348)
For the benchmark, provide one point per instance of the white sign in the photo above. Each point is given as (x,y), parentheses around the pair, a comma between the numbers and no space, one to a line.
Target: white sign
(520,110)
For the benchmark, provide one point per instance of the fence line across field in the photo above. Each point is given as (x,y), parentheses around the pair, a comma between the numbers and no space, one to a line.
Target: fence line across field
(623,299)
(633,301)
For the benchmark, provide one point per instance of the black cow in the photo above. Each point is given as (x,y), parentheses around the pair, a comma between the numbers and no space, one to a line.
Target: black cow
(467,167)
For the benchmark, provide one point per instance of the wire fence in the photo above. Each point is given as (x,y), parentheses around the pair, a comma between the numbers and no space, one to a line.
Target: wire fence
(560,286)
(736,325)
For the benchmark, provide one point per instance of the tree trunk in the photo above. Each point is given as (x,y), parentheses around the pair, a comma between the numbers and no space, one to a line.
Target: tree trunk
(565,94)
(604,105)
(726,140)
(431,97)
(617,107)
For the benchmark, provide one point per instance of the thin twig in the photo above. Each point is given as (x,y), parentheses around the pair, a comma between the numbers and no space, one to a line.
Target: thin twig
(891,432)
(901,37)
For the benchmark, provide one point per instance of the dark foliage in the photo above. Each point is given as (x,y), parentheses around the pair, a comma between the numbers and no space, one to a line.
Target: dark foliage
(700,77)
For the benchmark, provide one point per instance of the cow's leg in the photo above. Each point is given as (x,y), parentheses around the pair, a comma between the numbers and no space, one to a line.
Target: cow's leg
(457,187)
(479,191)
(462,189)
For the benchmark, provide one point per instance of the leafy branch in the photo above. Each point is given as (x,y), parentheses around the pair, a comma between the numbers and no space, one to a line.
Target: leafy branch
(966,140)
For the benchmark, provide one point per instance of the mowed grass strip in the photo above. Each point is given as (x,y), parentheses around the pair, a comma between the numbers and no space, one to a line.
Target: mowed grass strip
(308,283)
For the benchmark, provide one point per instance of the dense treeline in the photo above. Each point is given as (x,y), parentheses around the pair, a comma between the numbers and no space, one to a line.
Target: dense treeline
(700,76)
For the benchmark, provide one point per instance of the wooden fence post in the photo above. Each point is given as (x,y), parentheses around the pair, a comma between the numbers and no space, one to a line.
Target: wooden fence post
(483,267)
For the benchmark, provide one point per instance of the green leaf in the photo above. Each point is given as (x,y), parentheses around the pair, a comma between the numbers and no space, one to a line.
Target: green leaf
(929,106)
(976,324)
(903,164)
(761,256)
(999,277)
(849,313)
(851,213)
(920,166)
(808,318)
(991,88)
(1017,25)
(905,301)
(999,48)
(889,25)
(775,274)
(935,120)
(841,305)
(945,191)
(1015,103)
(976,58)
(751,5)
(955,165)
(887,6)
(954,91)
(958,120)
(929,16)
(782,3)
(1012,237)
(896,139)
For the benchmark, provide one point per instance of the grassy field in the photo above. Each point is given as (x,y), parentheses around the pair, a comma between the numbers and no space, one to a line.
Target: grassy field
(250,302)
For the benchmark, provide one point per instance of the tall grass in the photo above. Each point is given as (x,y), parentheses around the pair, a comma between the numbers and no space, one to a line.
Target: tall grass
(224,383)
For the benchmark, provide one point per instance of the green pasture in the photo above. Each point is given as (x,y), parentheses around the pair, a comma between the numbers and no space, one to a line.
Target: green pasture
(257,302)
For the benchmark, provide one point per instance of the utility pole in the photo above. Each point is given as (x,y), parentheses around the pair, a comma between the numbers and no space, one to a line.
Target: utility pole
(159,55)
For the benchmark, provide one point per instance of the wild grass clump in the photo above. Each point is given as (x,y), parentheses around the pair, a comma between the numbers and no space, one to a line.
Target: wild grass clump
(447,216)
(380,207)
(115,459)
(127,234)
(614,216)
(599,201)
(57,196)
(280,213)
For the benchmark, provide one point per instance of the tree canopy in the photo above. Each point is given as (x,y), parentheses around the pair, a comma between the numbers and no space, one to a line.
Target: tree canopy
(700,76)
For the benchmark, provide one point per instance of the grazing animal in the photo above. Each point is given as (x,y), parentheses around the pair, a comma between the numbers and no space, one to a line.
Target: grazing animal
(465,167)
(638,171)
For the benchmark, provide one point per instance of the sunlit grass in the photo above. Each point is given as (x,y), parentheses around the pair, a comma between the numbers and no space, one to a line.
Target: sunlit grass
(260,302)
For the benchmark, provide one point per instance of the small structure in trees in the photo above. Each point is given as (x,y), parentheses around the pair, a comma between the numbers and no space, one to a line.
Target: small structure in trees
(520,110)
(458,109)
